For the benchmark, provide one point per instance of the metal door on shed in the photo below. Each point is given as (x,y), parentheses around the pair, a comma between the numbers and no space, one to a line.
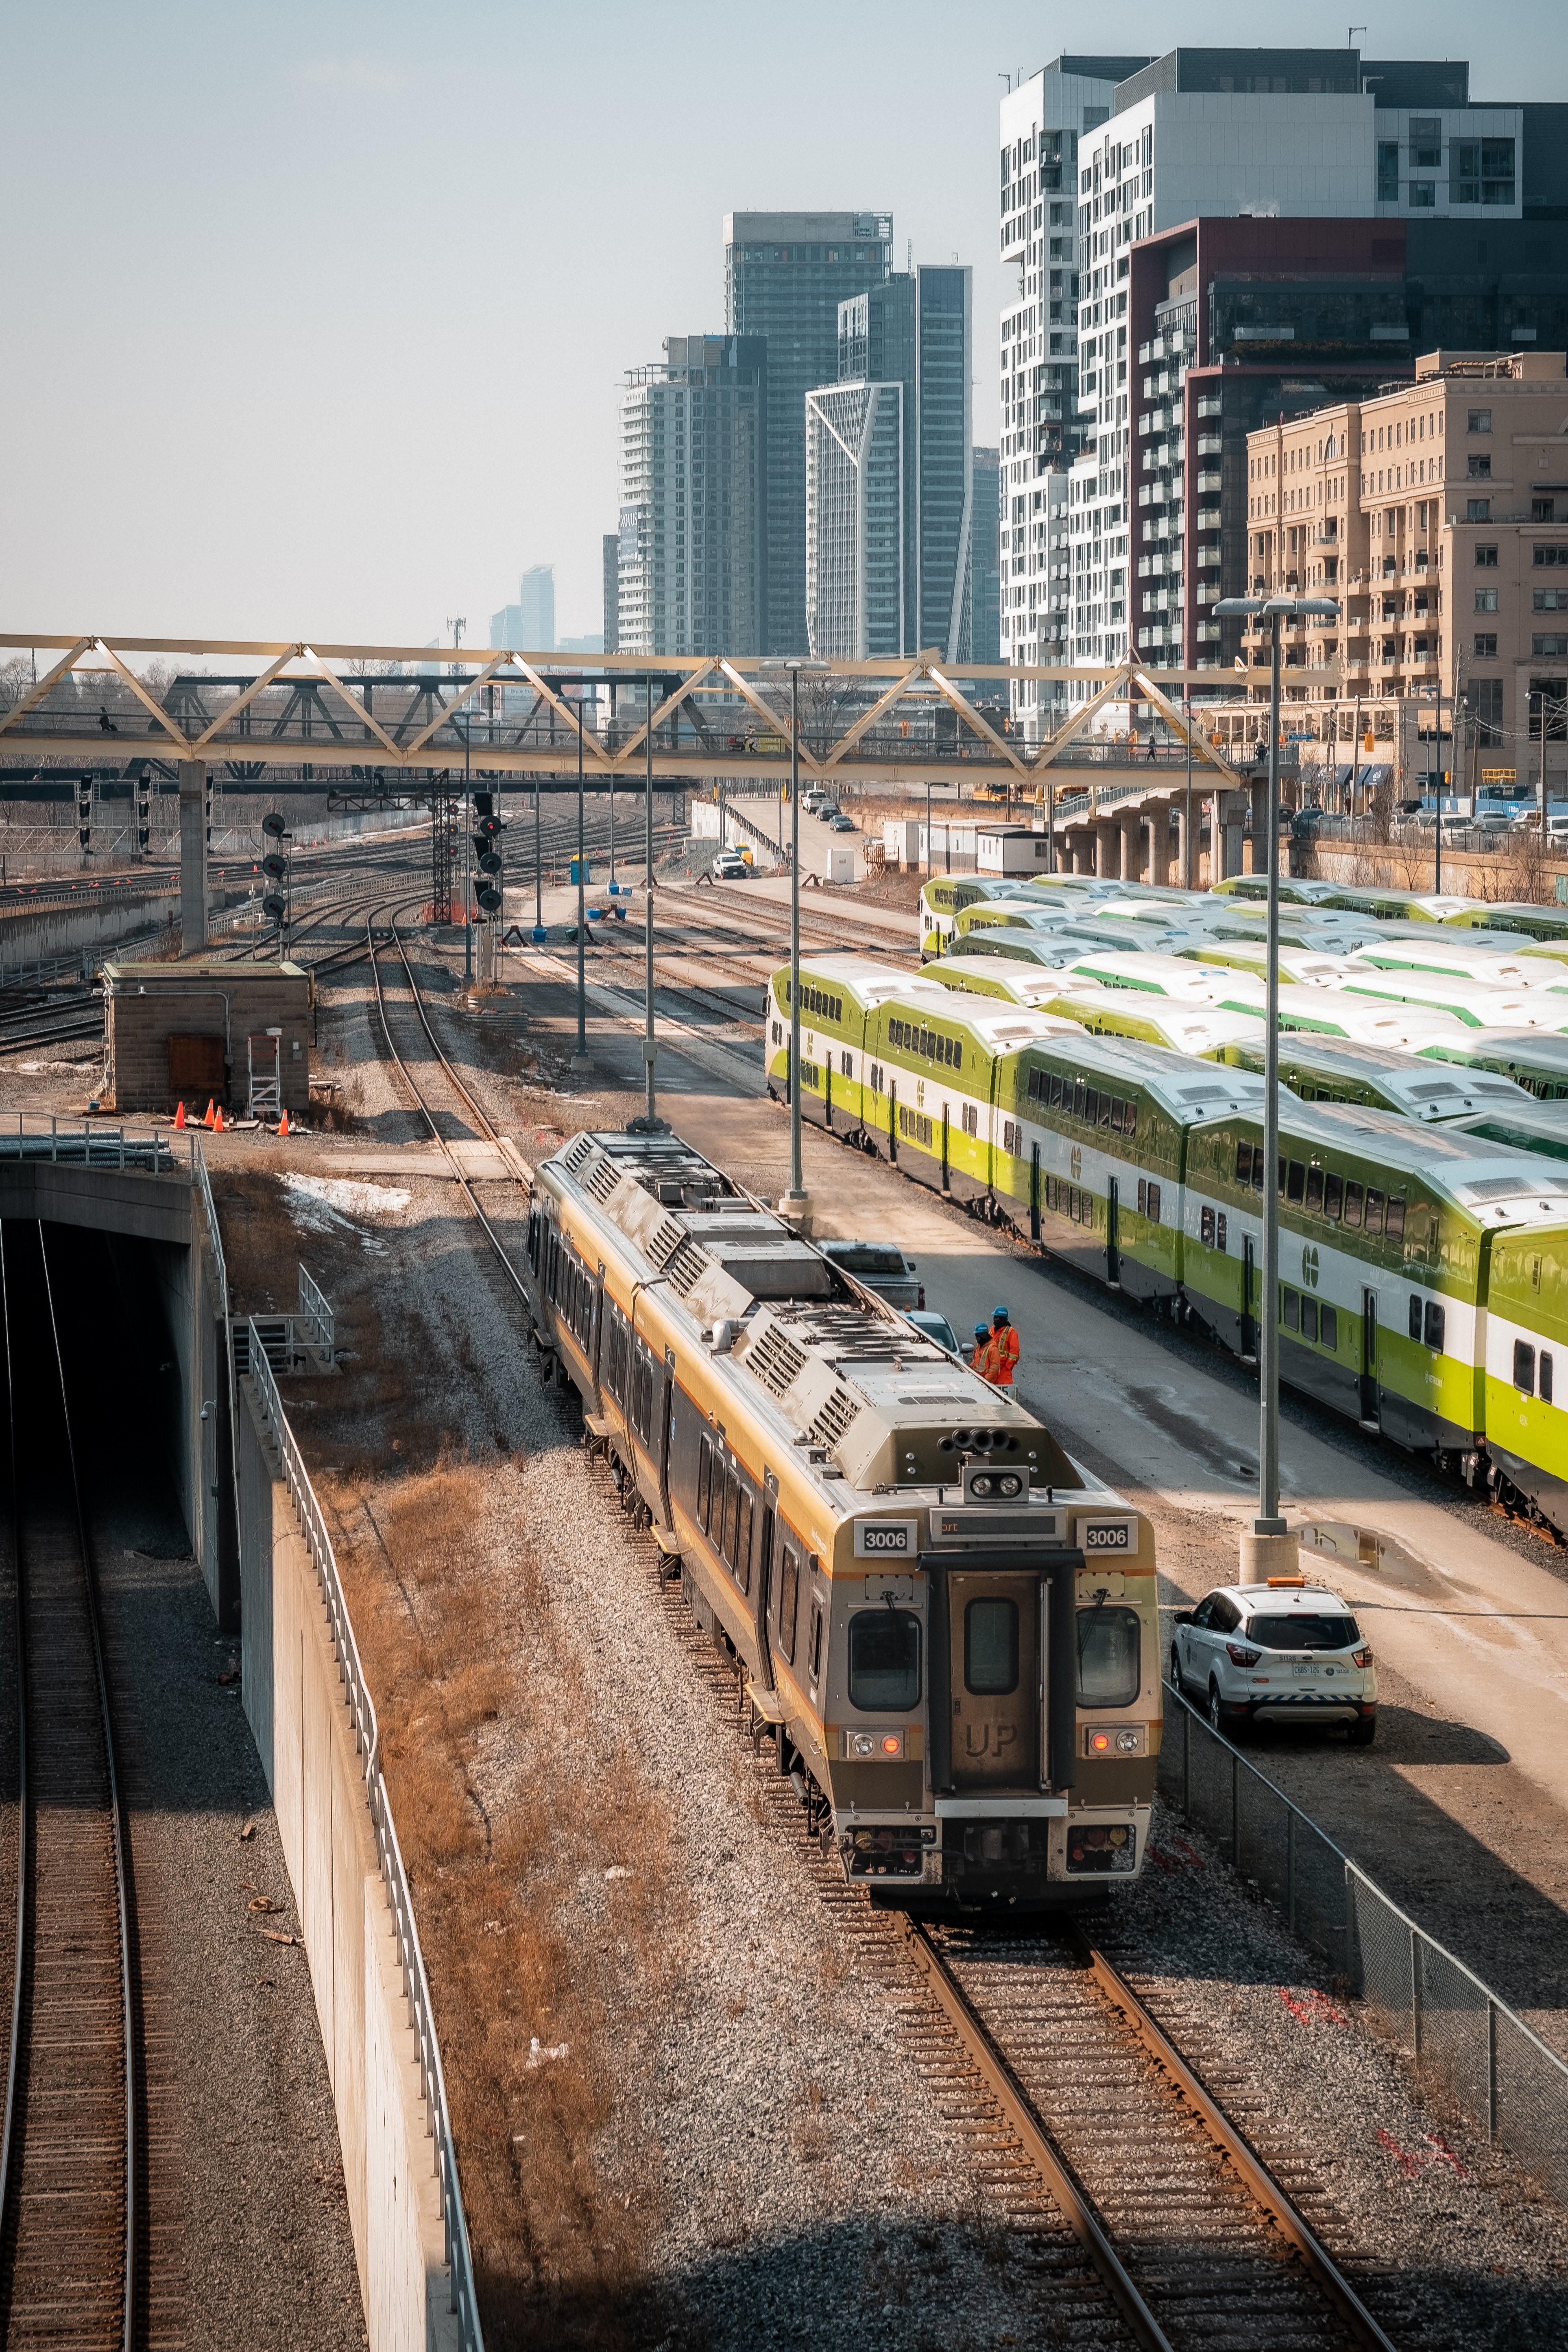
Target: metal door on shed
(195,1065)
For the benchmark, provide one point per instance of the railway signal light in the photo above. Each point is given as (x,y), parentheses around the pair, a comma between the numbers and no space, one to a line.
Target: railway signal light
(274,867)
(84,814)
(143,809)
(488,827)
(273,907)
(488,898)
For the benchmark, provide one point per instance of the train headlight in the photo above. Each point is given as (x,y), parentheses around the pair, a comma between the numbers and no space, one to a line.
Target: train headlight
(1099,1743)
(982,1485)
(1010,1484)
(892,1745)
(862,1743)
(1129,1742)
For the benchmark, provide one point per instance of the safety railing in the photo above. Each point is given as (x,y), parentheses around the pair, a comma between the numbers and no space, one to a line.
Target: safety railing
(1460,2036)
(89,1147)
(288,1341)
(389,1854)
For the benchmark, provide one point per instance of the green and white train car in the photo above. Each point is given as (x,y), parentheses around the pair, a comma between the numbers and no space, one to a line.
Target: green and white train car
(1541,923)
(1535,1059)
(1481,957)
(1387,1231)
(1339,1070)
(1195,1029)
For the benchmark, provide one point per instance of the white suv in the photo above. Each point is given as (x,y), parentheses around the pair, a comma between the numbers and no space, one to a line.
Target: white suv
(1284,1652)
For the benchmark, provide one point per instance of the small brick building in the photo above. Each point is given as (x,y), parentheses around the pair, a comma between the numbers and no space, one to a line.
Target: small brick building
(188,1032)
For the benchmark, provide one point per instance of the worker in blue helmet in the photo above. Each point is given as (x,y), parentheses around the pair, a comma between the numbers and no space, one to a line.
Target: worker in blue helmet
(980,1354)
(1004,1349)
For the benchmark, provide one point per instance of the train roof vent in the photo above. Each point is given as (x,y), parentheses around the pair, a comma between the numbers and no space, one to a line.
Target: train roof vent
(664,1241)
(601,1181)
(774,1357)
(834,1416)
(686,1267)
(581,1148)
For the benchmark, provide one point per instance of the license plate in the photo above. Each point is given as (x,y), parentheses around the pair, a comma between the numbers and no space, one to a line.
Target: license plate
(1305,1673)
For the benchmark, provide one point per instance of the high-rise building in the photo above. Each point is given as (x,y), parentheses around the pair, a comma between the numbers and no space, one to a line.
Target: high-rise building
(986,469)
(1298,140)
(690,570)
(785,275)
(528,625)
(889,508)
(1043,121)
(612,561)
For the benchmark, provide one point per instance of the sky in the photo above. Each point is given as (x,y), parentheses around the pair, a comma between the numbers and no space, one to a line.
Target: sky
(315,317)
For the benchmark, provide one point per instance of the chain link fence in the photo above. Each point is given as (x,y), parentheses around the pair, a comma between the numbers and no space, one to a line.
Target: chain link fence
(1461,2038)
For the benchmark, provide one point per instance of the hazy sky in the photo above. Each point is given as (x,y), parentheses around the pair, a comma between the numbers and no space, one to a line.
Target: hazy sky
(315,316)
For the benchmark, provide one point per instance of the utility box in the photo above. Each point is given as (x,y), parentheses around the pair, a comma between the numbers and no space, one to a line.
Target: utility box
(180,1033)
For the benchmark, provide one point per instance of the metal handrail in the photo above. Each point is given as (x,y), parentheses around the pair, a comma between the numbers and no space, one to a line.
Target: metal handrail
(389,1854)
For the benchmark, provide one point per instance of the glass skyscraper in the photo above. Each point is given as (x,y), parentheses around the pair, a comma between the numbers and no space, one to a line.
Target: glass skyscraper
(785,275)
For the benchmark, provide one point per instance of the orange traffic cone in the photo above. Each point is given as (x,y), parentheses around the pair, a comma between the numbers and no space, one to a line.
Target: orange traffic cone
(283,1124)
(180,1115)
(208,1120)
(218,1121)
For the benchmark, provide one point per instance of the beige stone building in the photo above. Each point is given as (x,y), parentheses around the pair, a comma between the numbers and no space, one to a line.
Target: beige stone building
(1437,518)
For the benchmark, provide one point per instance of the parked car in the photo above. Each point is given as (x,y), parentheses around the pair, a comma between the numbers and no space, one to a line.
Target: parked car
(728,868)
(842,823)
(931,1326)
(1286,1651)
(881,1267)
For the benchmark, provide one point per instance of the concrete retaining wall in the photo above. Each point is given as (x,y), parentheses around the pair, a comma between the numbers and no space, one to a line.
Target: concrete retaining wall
(292,1688)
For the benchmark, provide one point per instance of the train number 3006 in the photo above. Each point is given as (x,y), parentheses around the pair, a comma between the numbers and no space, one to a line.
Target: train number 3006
(886,1538)
(1108,1535)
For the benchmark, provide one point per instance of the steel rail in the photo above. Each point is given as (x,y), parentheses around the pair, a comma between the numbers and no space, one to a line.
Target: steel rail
(23,1797)
(116,1818)
(426,1113)
(1254,2175)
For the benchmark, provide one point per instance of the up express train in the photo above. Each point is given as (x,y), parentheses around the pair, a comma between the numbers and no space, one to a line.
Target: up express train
(953,1628)
(1423,1286)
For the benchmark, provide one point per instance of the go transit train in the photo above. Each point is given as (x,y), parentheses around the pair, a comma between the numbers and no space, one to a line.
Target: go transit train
(950,1628)
(1423,1287)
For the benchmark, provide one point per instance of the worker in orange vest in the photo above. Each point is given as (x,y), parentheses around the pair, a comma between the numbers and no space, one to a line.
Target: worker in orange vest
(1003,1351)
(980,1354)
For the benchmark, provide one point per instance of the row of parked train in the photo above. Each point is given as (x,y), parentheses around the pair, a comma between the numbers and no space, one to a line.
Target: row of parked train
(1087,1094)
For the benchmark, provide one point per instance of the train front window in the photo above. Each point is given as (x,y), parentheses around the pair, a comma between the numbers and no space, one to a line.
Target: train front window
(884,1660)
(1110,1658)
(991,1647)
(1303,1633)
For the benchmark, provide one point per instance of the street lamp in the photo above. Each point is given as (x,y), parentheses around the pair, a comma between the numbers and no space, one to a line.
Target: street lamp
(1270,1549)
(796,1202)
(581,1059)
(648,1122)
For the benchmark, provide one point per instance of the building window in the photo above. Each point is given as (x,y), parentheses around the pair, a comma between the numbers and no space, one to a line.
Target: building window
(1422,195)
(1542,509)
(1480,421)
(1477,510)
(1549,701)
(1479,467)
(1388,170)
(1486,558)
(1486,646)
(1554,648)
(1486,599)
(1426,143)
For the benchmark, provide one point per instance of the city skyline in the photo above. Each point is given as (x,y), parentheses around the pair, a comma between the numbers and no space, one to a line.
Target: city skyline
(170,478)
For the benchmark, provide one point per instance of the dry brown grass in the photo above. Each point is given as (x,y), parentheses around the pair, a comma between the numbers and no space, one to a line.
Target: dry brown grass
(527,1941)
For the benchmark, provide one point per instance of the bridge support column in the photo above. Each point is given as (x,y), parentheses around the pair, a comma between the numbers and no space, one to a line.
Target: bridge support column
(1231,809)
(192,856)
(1105,852)
(1159,845)
(1258,826)
(1131,827)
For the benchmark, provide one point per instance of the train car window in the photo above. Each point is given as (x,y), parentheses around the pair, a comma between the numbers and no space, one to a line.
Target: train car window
(741,1564)
(1309,1319)
(1110,1659)
(554,1274)
(1524,1366)
(789,1600)
(1130,1118)
(1394,1221)
(1244,1163)
(1374,1221)
(885,1660)
(849,1063)
(1315,1191)
(732,1518)
(1091,1106)
(814,1653)
(1296,1183)
(1105,1104)
(1415,1316)
(1206,1228)
(1333,1197)
(991,1647)
(1436,1317)
(1153,1204)
(1257,1168)
(704,1481)
(1545,1376)
(1079,1090)
(1219,1232)
(1292,1306)
(1353,1202)
(1328,1326)
(1059,1088)
(1116,1109)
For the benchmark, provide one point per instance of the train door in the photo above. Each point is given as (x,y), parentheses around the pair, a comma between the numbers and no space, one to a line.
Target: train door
(665,1430)
(1248,1287)
(995,1669)
(1034,1191)
(1113,1233)
(1369,1412)
(763,1598)
(893,1119)
(945,1133)
(827,1087)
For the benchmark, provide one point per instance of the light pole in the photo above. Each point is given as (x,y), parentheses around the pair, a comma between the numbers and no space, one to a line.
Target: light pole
(1187,819)
(469,856)
(796,1202)
(649,1121)
(1271,1549)
(538,934)
(581,1059)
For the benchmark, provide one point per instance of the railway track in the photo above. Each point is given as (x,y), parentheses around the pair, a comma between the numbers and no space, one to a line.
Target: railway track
(70,2219)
